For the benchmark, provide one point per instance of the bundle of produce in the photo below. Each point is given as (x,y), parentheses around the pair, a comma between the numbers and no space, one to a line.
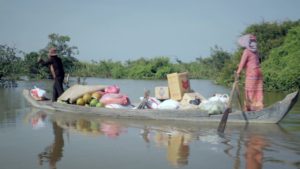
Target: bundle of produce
(91,100)
(72,94)
(104,96)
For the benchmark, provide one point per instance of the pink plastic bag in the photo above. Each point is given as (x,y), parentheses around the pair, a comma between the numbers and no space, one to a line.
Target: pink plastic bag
(113,98)
(112,89)
(37,93)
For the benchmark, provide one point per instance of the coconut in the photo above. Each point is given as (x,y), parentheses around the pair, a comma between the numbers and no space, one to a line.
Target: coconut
(80,101)
(94,102)
(87,97)
(96,95)
(100,104)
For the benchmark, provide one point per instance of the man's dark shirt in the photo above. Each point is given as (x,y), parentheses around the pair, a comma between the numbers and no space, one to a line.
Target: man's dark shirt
(57,66)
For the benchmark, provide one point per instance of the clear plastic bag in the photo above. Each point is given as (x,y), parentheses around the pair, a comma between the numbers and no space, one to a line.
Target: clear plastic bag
(213,106)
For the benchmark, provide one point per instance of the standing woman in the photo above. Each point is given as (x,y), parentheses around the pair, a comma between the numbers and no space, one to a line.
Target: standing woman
(254,78)
(57,71)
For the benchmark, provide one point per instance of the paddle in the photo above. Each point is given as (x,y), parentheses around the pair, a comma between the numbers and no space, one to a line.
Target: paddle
(223,121)
(240,102)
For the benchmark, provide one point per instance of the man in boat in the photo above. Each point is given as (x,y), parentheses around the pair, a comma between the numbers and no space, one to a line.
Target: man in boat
(254,78)
(57,72)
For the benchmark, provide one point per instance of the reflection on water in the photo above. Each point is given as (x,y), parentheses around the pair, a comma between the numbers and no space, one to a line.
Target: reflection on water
(175,142)
(245,146)
(38,120)
(51,153)
(254,151)
(54,152)
(178,148)
(4,83)
(91,127)
(67,141)
(111,129)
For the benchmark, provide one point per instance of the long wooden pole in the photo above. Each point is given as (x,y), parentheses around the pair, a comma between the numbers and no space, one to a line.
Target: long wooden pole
(228,110)
(240,102)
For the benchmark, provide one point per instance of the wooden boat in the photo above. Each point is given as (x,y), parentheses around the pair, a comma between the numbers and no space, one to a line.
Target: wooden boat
(93,125)
(272,114)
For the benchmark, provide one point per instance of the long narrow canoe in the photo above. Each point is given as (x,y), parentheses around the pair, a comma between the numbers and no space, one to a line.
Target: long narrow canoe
(272,114)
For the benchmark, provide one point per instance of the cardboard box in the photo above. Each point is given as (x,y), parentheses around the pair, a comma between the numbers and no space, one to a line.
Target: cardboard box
(162,92)
(191,96)
(179,84)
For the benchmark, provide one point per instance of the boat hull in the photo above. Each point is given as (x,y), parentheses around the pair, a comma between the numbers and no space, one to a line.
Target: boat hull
(272,114)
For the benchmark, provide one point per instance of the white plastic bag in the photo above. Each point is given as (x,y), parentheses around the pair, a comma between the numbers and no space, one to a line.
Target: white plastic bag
(118,106)
(169,104)
(152,102)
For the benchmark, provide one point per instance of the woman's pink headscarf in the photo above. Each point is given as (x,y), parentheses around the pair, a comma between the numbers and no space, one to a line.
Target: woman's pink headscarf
(244,40)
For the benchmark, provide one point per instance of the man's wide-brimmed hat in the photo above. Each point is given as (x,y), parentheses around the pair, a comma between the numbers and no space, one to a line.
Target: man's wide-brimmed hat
(52,52)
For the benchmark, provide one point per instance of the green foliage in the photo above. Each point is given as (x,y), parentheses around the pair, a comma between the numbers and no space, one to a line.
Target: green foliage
(140,71)
(156,68)
(104,68)
(64,50)
(278,45)
(219,57)
(32,68)
(226,74)
(10,63)
(60,42)
(282,70)
(163,71)
(12,66)
(209,67)
(270,35)
(118,71)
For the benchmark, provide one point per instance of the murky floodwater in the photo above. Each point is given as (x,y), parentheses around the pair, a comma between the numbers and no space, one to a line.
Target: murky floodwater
(31,138)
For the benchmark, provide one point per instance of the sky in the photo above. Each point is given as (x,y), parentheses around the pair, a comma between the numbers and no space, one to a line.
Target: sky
(130,29)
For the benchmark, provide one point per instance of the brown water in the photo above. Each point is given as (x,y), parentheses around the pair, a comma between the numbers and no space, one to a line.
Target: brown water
(30,138)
